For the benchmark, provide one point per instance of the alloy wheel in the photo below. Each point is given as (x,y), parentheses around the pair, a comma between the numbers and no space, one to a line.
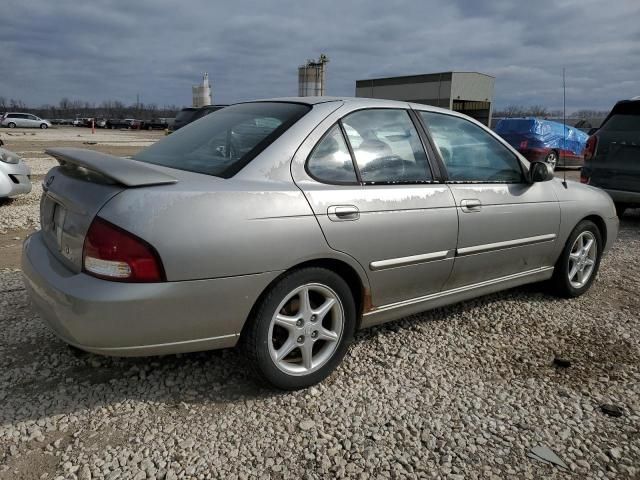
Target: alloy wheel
(582,259)
(552,159)
(306,329)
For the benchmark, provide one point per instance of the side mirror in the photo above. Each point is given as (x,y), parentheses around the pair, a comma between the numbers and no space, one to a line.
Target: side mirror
(540,172)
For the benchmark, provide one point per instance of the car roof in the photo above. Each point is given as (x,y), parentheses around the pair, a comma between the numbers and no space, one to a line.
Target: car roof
(363,101)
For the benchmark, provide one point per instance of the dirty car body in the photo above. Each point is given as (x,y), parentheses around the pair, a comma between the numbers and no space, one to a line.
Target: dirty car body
(373,191)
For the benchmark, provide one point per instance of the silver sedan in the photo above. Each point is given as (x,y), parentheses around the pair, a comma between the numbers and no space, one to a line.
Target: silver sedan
(285,225)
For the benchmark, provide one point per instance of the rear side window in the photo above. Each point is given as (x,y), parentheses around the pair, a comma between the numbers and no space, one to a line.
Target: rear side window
(386,147)
(330,161)
(623,123)
(470,153)
(223,142)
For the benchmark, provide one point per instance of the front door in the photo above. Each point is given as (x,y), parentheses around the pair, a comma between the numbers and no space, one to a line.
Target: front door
(371,187)
(507,225)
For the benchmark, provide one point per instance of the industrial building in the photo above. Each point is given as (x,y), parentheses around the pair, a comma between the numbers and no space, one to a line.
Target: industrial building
(312,77)
(202,93)
(470,93)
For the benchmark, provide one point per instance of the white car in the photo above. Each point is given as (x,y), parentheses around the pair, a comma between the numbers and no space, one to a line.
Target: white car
(26,120)
(14,174)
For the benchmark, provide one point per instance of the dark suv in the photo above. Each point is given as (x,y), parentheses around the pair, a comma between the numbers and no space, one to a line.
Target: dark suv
(612,156)
(191,114)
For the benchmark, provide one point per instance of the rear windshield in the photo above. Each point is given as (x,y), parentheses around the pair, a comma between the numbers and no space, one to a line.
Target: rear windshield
(223,142)
(623,123)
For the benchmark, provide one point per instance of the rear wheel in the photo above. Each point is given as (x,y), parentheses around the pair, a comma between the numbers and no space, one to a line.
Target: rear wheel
(578,264)
(620,209)
(43,126)
(552,159)
(11,125)
(301,329)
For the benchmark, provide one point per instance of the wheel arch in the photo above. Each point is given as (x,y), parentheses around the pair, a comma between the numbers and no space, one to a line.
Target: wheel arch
(602,226)
(357,282)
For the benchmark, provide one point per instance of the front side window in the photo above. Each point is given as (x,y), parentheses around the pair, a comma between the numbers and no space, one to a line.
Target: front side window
(223,142)
(469,153)
(330,161)
(386,147)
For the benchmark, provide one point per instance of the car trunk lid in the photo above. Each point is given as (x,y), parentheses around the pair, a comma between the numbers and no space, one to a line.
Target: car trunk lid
(75,191)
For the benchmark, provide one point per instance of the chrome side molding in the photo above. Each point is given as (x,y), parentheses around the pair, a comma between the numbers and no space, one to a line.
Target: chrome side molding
(405,261)
(489,247)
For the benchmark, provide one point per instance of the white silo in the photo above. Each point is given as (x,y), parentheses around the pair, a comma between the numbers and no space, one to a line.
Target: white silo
(312,77)
(202,93)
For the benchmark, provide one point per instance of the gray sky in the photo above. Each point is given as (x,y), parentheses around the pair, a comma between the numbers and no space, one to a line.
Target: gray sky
(115,49)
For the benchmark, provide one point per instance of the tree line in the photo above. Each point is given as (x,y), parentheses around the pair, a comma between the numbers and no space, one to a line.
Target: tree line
(70,108)
(511,111)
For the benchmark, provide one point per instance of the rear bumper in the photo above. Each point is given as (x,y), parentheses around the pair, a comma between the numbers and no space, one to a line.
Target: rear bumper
(135,319)
(624,196)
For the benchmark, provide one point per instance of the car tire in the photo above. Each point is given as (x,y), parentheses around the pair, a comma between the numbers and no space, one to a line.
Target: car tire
(11,125)
(311,341)
(44,126)
(577,267)
(552,159)
(620,209)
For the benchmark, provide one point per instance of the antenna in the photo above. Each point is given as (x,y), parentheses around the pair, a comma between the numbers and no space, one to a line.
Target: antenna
(564,128)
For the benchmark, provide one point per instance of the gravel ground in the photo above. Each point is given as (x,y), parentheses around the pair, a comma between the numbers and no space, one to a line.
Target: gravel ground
(459,392)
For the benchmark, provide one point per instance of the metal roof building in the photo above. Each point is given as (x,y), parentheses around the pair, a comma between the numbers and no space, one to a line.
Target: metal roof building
(470,93)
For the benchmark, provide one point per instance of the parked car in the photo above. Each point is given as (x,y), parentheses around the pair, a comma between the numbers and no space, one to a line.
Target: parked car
(544,140)
(128,123)
(183,117)
(78,122)
(15,174)
(154,124)
(285,225)
(191,114)
(24,120)
(612,156)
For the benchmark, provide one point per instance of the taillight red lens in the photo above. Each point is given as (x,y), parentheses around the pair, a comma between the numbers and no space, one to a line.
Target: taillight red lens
(114,254)
(590,147)
(584,178)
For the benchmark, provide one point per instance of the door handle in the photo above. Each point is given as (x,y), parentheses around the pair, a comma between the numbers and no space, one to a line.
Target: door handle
(471,205)
(342,213)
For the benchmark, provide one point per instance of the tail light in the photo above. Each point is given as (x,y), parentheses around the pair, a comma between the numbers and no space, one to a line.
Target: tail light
(590,147)
(524,144)
(114,254)
(584,178)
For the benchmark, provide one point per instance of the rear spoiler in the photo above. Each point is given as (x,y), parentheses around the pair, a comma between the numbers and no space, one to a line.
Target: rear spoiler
(125,171)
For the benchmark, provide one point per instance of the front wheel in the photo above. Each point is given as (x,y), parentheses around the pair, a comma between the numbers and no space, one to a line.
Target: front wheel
(301,329)
(578,264)
(43,126)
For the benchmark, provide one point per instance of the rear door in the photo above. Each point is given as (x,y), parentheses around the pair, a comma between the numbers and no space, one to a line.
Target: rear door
(376,197)
(507,225)
(616,165)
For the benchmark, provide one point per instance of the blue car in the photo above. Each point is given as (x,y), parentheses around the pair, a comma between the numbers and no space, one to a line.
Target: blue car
(544,140)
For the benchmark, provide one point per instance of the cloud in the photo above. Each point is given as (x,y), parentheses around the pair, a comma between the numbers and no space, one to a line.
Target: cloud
(158,48)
